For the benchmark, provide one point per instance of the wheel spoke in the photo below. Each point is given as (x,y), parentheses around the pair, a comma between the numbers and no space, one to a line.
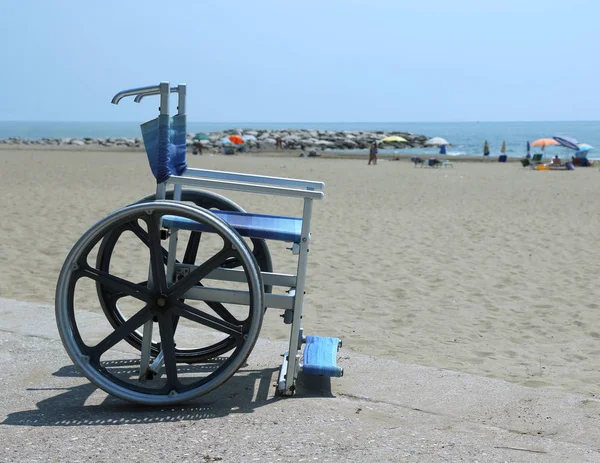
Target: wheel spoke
(115,284)
(235,262)
(116,295)
(191,250)
(222,311)
(143,236)
(167,342)
(120,333)
(157,264)
(202,318)
(188,282)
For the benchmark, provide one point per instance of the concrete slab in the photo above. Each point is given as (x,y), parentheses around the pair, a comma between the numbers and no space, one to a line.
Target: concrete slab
(380,410)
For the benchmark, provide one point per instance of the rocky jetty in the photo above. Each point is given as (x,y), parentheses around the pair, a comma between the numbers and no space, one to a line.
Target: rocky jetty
(333,140)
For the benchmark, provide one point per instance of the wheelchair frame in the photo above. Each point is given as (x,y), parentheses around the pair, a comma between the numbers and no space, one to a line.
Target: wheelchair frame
(319,352)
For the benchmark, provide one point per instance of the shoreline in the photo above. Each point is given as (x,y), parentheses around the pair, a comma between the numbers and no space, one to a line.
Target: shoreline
(263,153)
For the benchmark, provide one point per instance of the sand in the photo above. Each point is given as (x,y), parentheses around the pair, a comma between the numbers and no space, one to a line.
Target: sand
(484,268)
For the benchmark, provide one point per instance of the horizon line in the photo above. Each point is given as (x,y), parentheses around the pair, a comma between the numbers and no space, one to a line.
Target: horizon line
(308,122)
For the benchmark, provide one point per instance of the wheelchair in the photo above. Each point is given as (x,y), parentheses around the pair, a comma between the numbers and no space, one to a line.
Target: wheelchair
(188,320)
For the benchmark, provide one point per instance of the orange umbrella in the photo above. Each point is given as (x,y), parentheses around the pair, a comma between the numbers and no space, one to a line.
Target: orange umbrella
(543,142)
(237,140)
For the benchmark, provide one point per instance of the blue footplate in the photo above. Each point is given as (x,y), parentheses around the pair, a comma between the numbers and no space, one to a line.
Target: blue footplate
(268,227)
(320,357)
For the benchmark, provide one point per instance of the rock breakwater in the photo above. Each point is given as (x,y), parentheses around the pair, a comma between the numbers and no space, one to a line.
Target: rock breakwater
(255,139)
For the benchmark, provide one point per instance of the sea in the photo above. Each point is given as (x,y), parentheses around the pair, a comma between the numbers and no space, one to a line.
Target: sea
(466,138)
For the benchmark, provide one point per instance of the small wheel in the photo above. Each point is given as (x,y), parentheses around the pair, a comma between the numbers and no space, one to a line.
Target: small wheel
(109,299)
(102,352)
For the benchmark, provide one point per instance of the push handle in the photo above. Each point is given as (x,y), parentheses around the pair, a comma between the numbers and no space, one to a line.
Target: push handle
(137,91)
(140,96)
(180,89)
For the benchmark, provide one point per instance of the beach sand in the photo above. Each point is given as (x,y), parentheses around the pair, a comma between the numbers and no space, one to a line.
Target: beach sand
(484,268)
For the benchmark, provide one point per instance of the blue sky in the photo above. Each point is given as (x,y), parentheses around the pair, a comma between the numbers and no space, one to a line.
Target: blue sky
(318,61)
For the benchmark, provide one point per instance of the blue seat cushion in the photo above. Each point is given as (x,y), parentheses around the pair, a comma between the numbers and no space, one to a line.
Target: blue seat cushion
(320,357)
(268,227)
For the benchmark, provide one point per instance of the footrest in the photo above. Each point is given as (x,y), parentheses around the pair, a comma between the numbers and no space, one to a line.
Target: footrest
(320,356)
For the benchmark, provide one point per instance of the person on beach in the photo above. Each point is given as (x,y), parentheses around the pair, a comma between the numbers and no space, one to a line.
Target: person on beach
(486,149)
(278,144)
(302,148)
(556,161)
(197,148)
(373,154)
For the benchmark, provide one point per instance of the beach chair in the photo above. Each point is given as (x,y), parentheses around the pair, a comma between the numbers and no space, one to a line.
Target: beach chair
(417,162)
(536,159)
(192,317)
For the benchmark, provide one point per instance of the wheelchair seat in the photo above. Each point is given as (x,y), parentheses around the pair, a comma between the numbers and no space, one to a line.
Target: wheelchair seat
(268,227)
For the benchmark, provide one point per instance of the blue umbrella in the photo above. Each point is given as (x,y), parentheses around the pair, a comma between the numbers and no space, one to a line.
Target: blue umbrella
(583,149)
(568,142)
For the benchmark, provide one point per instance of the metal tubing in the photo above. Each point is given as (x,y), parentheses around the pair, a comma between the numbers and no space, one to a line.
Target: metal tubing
(249,178)
(181,90)
(238,297)
(146,345)
(141,96)
(293,356)
(247,187)
(229,274)
(134,91)
(164,98)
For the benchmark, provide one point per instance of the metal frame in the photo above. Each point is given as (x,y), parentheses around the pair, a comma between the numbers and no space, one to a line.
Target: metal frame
(258,184)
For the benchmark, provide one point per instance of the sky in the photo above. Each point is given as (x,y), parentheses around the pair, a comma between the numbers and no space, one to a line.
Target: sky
(303,61)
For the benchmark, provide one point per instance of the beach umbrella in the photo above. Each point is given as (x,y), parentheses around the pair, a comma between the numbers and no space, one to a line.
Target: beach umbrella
(568,142)
(226,141)
(486,149)
(436,141)
(583,150)
(503,149)
(236,139)
(443,149)
(393,139)
(543,142)
(201,136)
(584,147)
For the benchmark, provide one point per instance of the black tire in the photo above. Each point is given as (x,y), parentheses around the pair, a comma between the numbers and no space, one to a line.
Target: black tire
(99,353)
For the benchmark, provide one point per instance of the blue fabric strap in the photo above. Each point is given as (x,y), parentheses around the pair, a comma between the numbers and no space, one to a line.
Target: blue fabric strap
(177,164)
(163,148)
(165,144)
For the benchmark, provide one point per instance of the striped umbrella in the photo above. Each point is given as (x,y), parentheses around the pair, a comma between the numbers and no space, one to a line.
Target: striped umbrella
(568,142)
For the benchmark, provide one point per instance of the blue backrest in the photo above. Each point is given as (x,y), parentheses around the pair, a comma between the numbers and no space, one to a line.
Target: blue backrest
(165,142)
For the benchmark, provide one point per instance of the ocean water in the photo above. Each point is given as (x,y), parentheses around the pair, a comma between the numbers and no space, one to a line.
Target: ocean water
(467,138)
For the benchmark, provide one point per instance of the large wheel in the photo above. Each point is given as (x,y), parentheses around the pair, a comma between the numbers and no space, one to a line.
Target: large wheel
(109,299)
(101,350)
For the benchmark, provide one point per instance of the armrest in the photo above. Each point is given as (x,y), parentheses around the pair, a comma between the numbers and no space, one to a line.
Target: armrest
(250,178)
(245,187)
